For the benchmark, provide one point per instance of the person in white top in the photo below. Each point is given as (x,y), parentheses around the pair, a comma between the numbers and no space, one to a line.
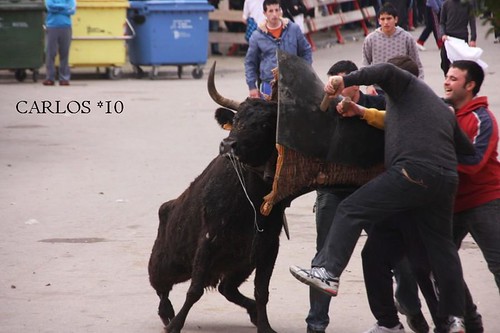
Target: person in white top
(254,9)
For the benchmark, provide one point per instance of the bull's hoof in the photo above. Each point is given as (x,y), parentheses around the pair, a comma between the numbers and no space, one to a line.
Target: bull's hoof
(266,330)
(172,330)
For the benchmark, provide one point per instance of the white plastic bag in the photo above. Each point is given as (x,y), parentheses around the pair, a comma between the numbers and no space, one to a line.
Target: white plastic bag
(458,49)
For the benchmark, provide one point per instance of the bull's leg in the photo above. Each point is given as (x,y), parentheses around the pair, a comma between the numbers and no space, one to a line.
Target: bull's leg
(165,309)
(195,291)
(266,254)
(229,288)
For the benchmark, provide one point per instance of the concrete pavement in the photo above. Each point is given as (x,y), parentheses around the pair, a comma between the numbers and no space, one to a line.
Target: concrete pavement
(80,192)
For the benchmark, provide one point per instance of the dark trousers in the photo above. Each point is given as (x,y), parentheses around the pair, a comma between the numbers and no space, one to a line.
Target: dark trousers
(396,246)
(431,26)
(426,194)
(58,42)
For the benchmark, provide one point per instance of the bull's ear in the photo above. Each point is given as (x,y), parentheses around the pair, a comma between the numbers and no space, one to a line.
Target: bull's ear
(225,118)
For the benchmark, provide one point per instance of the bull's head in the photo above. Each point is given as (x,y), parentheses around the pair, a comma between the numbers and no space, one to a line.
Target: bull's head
(252,125)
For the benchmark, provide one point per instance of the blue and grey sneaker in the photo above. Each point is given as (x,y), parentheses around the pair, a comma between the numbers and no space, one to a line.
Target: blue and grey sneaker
(318,278)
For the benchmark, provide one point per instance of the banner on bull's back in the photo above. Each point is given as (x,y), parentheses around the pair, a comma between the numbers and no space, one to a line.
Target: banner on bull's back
(315,147)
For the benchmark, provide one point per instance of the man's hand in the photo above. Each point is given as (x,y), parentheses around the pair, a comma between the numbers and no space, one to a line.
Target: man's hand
(254,93)
(371,90)
(334,86)
(348,108)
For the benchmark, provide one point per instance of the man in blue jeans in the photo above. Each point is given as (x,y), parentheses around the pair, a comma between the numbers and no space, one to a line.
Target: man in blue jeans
(421,141)
(327,200)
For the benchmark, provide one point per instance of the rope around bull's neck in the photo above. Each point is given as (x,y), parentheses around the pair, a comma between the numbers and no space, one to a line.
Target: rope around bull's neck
(239,172)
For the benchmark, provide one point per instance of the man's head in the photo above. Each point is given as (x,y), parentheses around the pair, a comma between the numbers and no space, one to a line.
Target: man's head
(388,18)
(344,67)
(272,11)
(462,82)
(406,63)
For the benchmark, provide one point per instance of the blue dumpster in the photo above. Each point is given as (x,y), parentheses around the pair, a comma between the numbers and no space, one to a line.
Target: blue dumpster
(169,33)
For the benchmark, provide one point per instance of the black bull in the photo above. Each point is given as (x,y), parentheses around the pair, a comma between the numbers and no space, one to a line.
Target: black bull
(213,233)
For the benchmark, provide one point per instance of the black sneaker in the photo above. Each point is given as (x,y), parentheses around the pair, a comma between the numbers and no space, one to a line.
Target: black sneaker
(417,323)
(310,330)
(317,277)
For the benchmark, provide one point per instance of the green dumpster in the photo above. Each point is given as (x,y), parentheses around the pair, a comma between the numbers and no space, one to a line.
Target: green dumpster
(22,36)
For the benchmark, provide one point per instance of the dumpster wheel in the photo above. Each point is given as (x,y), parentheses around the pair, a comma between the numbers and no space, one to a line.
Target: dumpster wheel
(153,74)
(138,71)
(36,74)
(113,73)
(197,72)
(20,75)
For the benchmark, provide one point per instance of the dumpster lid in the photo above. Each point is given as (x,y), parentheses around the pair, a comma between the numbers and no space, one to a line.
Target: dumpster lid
(168,5)
(21,4)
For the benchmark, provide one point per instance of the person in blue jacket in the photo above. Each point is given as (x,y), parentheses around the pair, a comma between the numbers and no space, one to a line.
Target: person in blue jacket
(58,39)
(276,32)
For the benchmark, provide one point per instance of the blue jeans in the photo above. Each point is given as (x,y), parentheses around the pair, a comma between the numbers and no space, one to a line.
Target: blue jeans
(483,223)
(426,194)
(327,201)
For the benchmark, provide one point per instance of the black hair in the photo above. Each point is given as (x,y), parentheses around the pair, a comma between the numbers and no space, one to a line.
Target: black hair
(342,66)
(270,2)
(474,73)
(389,9)
(406,63)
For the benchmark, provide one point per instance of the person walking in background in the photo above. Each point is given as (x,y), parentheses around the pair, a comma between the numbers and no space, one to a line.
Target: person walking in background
(295,10)
(253,16)
(213,25)
(432,10)
(58,39)
(275,32)
(456,16)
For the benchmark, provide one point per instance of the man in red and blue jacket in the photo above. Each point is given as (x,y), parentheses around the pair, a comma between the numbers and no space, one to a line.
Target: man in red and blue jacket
(477,203)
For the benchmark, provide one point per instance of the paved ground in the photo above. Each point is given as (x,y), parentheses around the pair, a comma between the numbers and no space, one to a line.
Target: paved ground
(79,195)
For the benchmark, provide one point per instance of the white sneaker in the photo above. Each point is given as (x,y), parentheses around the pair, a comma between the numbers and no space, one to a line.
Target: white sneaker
(421,47)
(381,329)
(317,277)
(456,325)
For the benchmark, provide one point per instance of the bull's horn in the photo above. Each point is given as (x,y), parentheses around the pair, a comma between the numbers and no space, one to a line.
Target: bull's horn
(212,91)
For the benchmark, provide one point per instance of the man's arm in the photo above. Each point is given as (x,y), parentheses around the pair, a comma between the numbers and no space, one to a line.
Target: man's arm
(252,66)
(304,49)
(372,116)
(483,133)
(413,53)
(472,25)
(390,78)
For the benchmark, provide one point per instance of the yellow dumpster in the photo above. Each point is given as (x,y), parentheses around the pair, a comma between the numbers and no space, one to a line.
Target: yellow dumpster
(99,34)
